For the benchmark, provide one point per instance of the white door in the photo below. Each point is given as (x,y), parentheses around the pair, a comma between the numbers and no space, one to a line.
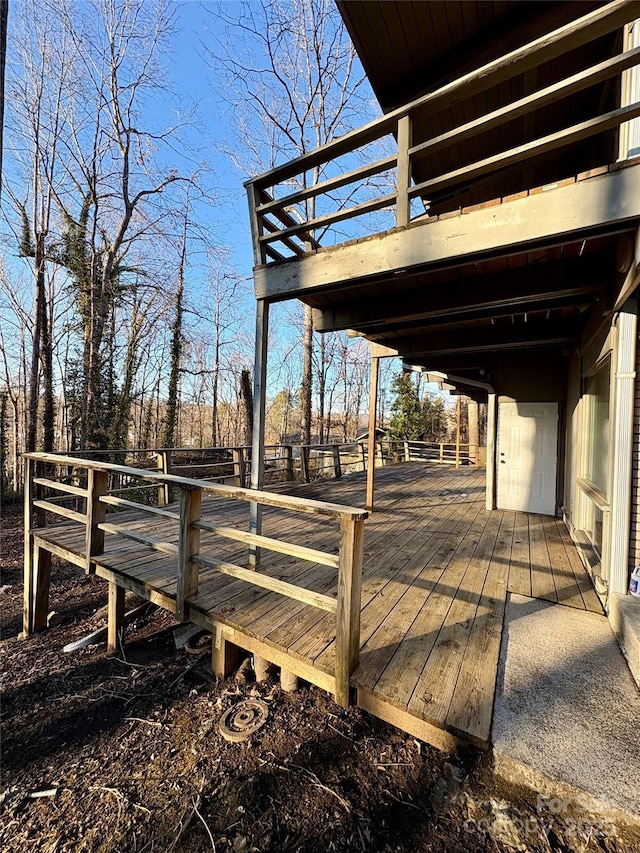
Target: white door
(527,456)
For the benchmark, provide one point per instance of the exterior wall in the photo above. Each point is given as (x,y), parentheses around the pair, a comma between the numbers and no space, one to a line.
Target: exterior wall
(634,541)
(532,376)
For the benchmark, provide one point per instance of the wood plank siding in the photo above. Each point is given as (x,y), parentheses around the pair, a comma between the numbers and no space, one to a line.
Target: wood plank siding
(437,569)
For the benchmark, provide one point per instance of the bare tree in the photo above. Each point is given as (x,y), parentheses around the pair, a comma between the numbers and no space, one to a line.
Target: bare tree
(40,75)
(288,67)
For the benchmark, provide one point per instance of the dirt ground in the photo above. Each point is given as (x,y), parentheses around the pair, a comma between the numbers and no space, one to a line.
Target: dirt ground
(123,753)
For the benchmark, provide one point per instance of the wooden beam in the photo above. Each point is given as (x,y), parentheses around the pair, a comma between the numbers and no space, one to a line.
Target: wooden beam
(62,511)
(406,722)
(371,440)
(458,407)
(348,611)
(492,436)
(188,548)
(42,575)
(54,485)
(259,409)
(527,105)
(555,281)
(142,538)
(529,151)
(28,578)
(487,338)
(110,500)
(97,486)
(277,545)
(403,201)
(297,593)
(115,619)
(359,174)
(330,218)
(603,20)
(607,203)
(224,654)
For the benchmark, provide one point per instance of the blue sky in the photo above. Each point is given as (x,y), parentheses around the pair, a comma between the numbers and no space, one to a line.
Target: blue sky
(191,77)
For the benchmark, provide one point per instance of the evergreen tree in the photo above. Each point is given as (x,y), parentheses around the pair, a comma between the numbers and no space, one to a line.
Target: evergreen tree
(434,418)
(406,413)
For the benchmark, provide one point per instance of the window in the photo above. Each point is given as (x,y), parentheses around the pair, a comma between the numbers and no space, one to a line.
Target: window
(596,459)
(597,424)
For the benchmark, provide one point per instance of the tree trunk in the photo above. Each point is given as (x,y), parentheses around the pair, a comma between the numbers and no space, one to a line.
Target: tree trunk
(246,392)
(34,377)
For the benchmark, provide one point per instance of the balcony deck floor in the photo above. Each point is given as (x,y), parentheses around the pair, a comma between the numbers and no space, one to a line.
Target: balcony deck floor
(437,569)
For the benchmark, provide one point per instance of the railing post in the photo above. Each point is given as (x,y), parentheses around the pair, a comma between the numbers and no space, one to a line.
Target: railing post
(188,547)
(379,455)
(97,486)
(403,202)
(407,452)
(290,472)
(163,458)
(28,589)
(441,451)
(364,463)
(239,469)
(348,610)
(337,467)
(304,463)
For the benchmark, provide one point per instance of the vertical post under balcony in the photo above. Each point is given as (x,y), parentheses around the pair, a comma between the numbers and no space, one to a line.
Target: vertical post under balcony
(257,438)
(403,202)
(371,453)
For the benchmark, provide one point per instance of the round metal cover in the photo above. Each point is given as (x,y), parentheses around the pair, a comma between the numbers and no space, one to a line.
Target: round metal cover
(199,643)
(242,720)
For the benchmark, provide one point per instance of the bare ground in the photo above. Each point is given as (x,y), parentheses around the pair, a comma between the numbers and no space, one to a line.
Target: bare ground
(122,753)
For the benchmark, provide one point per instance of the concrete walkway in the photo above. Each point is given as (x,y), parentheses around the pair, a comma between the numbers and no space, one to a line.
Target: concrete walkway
(567,708)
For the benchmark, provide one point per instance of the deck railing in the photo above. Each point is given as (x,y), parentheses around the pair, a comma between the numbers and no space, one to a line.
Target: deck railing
(284,463)
(286,224)
(51,473)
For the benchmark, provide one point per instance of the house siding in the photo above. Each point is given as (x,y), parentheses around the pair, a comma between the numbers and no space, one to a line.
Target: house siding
(634,532)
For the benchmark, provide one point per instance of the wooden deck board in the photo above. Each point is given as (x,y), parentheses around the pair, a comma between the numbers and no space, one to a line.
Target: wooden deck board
(436,573)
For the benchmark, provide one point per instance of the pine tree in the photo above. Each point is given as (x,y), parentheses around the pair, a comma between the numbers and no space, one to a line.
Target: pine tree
(406,421)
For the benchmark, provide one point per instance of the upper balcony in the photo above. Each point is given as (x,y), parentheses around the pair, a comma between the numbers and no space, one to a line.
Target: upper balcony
(533,98)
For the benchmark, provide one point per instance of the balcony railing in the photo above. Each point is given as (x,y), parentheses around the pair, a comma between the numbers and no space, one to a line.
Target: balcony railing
(287,224)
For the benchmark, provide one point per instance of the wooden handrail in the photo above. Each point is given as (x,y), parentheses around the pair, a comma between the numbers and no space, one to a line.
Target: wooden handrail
(399,122)
(304,505)
(348,563)
(576,33)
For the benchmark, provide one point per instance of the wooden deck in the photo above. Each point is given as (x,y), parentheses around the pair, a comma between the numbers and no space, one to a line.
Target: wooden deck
(437,568)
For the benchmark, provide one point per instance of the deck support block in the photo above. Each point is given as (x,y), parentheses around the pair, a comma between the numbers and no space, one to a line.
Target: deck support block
(224,655)
(115,621)
(288,681)
(261,668)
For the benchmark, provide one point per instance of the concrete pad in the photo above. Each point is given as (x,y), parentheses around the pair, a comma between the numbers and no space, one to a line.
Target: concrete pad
(625,621)
(567,708)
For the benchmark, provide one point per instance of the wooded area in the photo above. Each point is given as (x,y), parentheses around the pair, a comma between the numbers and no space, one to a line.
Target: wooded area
(126,322)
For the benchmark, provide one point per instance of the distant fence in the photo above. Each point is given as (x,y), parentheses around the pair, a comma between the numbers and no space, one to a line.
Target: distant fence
(284,463)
